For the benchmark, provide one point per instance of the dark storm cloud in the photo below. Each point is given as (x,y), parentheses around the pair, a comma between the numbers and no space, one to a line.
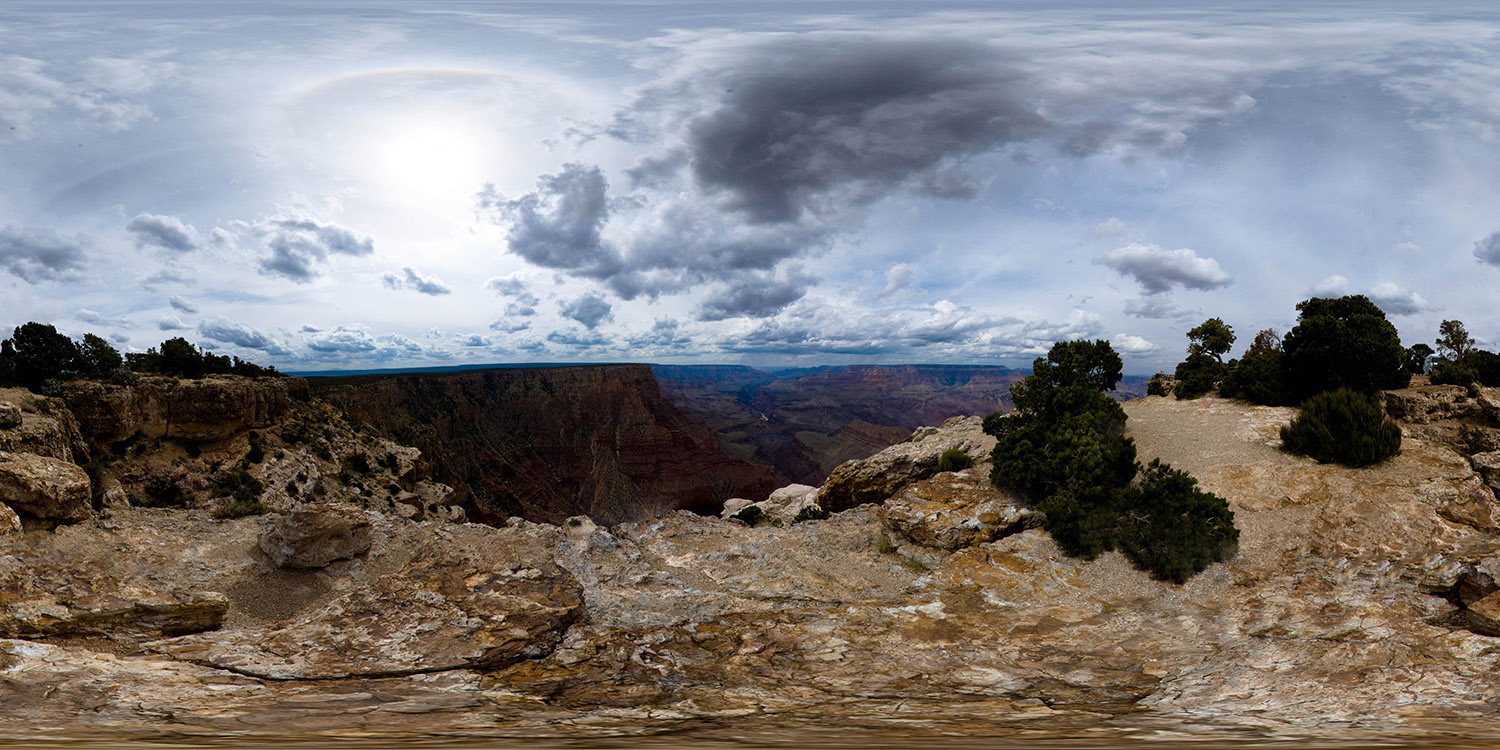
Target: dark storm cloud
(590,310)
(753,296)
(804,116)
(410,279)
(35,255)
(559,225)
(165,232)
(230,332)
(298,246)
(1487,250)
(1158,269)
(664,334)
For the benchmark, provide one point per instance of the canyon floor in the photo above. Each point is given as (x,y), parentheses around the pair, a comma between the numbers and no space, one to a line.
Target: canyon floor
(1353,611)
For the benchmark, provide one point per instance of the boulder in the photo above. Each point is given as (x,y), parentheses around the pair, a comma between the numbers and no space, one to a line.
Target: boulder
(873,479)
(1430,403)
(734,505)
(10,416)
(10,523)
(956,510)
(315,535)
(43,487)
(1484,615)
(1479,580)
(1488,466)
(781,508)
(40,425)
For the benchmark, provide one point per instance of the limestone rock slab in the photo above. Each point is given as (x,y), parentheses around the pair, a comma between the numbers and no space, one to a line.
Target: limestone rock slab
(956,510)
(44,487)
(873,479)
(314,535)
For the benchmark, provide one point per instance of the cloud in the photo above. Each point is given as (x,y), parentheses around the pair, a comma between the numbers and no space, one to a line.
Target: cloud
(410,279)
(792,122)
(754,295)
(230,332)
(1129,344)
(299,246)
(165,232)
(559,225)
(512,287)
(1332,286)
(1156,307)
(1487,250)
(100,319)
(473,340)
(35,255)
(342,339)
(1158,269)
(504,325)
(898,284)
(171,323)
(182,305)
(92,90)
(590,310)
(577,339)
(1396,301)
(665,333)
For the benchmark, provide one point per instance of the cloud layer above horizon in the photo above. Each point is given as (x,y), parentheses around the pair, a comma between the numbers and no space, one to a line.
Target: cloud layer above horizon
(367,184)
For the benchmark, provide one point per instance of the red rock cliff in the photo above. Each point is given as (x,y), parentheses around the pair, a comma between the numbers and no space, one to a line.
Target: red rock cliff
(548,443)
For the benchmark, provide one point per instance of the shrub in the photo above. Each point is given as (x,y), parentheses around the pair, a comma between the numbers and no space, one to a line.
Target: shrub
(123,376)
(1345,427)
(162,492)
(1197,375)
(257,452)
(1486,367)
(97,358)
(752,515)
(1157,386)
(1171,528)
(1082,520)
(1342,343)
(1453,373)
(954,459)
(810,513)
(1259,379)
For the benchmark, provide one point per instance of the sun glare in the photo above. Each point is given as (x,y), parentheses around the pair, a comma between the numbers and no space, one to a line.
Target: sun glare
(433,159)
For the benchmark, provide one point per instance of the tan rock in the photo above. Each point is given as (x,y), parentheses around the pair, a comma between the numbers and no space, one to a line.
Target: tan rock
(873,479)
(46,427)
(10,523)
(43,487)
(955,510)
(10,416)
(1479,580)
(1429,403)
(210,408)
(315,535)
(1484,615)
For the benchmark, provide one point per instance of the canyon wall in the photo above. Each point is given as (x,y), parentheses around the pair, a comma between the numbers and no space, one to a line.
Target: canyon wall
(548,443)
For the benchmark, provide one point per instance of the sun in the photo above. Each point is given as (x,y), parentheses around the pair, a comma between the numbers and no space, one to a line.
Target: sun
(433,158)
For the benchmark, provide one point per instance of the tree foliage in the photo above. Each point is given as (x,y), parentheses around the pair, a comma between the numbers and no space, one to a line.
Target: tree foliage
(1212,337)
(1416,358)
(97,358)
(1197,375)
(1064,450)
(1342,343)
(1266,343)
(1259,379)
(1172,528)
(37,353)
(1343,426)
(1454,341)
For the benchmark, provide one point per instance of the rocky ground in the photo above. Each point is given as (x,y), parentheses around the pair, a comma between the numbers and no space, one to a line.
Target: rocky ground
(1357,605)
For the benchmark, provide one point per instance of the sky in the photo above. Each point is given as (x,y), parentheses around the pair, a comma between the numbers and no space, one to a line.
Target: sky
(346,185)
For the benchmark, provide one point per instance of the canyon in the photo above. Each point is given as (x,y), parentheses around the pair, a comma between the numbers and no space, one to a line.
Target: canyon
(1363,604)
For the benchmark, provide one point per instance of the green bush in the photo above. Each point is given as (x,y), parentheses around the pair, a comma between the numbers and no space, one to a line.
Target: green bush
(810,513)
(1196,376)
(1259,379)
(1171,528)
(162,492)
(1064,450)
(1453,373)
(1157,386)
(1342,343)
(954,459)
(752,515)
(257,452)
(1345,427)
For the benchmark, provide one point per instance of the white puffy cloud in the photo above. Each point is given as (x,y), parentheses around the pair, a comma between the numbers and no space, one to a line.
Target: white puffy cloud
(1158,269)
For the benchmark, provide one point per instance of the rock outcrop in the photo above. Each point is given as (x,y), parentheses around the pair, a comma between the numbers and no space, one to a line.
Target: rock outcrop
(873,479)
(44,488)
(314,535)
(952,511)
(40,425)
(206,409)
(549,443)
